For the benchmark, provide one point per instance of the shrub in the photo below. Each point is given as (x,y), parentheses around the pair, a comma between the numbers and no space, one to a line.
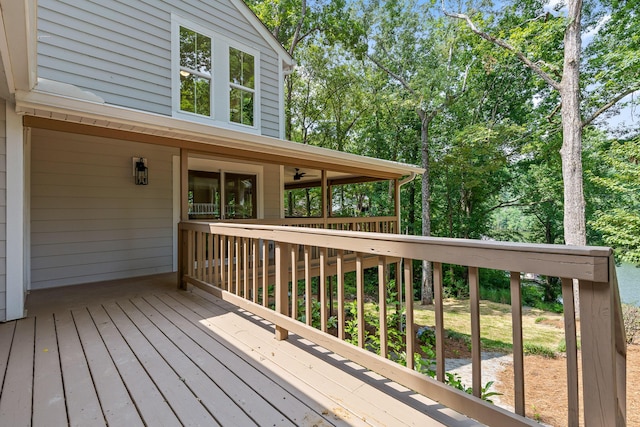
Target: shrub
(631,317)
(540,350)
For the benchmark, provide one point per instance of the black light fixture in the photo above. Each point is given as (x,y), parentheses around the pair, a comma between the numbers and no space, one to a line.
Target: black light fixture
(140,171)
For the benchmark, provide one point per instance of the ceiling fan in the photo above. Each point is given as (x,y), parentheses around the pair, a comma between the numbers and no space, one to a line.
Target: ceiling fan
(298,175)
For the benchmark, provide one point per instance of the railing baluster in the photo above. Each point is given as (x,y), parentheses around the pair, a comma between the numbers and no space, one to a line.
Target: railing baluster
(382,302)
(255,264)
(223,262)
(282,285)
(190,252)
(216,267)
(209,258)
(340,285)
(476,351)
(439,313)
(200,255)
(237,263)
(307,284)
(323,289)
(294,282)
(571,344)
(518,350)
(245,267)
(408,292)
(265,272)
(360,298)
(230,262)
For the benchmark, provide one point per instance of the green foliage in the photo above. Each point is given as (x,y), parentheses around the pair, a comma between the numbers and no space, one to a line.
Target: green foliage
(539,350)
(332,321)
(618,220)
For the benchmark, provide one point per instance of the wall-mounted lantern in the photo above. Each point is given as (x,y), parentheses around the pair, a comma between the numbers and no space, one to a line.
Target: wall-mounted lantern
(140,171)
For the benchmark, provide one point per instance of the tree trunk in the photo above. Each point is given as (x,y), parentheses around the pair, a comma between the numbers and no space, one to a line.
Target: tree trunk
(427,278)
(571,153)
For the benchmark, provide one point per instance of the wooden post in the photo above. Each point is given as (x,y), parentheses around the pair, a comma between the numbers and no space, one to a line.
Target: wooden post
(182,257)
(282,255)
(598,355)
(518,349)
(325,204)
(184,216)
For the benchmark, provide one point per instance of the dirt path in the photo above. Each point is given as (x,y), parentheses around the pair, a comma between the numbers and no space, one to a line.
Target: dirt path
(546,399)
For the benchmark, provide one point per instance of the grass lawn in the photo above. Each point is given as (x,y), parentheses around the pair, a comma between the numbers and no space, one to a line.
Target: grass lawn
(542,331)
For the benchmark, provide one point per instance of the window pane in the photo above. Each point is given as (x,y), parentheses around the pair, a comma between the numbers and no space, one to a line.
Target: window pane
(241,106)
(240,196)
(187,48)
(204,195)
(195,94)
(195,51)
(241,68)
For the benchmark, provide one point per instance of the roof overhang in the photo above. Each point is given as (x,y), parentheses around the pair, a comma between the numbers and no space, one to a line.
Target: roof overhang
(17,46)
(83,113)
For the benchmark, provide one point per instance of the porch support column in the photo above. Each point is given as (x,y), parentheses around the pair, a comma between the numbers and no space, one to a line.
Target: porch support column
(184,216)
(15,235)
(184,185)
(325,204)
(396,208)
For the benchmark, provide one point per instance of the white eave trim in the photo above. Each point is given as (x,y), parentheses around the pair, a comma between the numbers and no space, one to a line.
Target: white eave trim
(71,109)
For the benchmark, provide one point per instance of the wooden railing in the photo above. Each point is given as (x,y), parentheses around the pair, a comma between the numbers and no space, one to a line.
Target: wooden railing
(377,224)
(254,267)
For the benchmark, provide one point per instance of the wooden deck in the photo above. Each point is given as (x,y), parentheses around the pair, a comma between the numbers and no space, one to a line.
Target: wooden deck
(139,352)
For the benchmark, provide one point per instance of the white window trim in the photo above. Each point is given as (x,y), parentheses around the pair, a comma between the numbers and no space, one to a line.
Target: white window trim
(220,81)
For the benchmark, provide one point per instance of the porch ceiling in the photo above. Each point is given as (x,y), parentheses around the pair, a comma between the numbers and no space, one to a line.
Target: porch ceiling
(86,116)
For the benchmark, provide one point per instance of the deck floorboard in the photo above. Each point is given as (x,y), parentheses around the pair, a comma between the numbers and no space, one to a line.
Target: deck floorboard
(139,352)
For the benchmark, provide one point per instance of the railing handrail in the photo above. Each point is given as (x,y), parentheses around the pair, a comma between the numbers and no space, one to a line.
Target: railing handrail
(577,262)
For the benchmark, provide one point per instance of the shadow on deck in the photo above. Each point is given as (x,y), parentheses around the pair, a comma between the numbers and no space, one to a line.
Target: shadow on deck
(140,352)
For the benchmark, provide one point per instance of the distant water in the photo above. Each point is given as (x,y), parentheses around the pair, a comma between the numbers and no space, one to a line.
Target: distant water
(629,283)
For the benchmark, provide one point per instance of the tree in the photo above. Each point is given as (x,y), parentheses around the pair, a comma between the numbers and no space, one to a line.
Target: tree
(566,81)
(618,220)
(294,22)
(426,58)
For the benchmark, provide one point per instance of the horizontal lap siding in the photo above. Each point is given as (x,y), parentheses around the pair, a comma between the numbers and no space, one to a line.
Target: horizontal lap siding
(89,221)
(121,50)
(3,212)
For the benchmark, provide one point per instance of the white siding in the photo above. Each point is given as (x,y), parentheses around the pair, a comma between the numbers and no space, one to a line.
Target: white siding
(3,212)
(89,221)
(121,50)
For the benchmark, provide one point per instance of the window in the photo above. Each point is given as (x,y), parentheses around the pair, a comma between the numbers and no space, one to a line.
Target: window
(241,82)
(208,66)
(206,193)
(195,72)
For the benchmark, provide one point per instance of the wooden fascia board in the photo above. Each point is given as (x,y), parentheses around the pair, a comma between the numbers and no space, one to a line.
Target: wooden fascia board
(222,149)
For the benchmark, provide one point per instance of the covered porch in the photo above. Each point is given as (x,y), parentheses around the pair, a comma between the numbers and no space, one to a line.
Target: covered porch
(140,352)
